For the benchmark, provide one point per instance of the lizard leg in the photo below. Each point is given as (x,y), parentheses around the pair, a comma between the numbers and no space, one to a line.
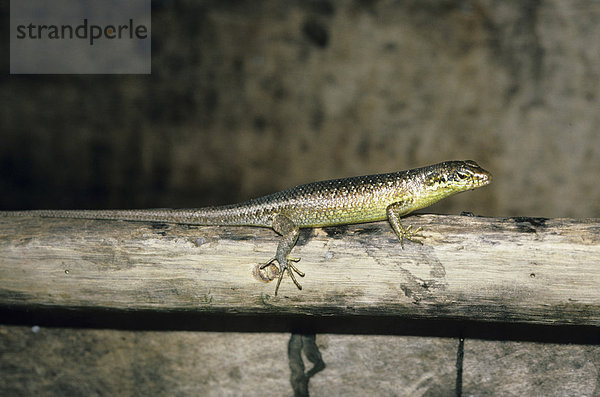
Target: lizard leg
(394,212)
(289,232)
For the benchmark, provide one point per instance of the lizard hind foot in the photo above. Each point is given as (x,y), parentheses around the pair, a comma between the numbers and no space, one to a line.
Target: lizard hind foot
(286,266)
(289,267)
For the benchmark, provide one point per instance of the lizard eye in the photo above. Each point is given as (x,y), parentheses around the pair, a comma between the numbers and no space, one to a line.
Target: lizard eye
(462,175)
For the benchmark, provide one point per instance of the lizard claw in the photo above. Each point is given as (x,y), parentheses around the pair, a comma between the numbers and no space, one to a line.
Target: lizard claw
(290,269)
(411,235)
(268,263)
(286,266)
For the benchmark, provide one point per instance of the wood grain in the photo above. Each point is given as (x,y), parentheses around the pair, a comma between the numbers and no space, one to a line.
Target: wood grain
(531,270)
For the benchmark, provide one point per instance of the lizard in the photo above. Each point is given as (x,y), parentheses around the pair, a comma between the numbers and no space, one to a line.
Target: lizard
(352,200)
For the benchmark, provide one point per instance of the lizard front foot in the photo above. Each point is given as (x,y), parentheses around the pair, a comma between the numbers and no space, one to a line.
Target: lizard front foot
(410,235)
(394,211)
(286,265)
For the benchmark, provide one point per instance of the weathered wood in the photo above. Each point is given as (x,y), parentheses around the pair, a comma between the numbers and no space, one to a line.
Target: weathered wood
(530,270)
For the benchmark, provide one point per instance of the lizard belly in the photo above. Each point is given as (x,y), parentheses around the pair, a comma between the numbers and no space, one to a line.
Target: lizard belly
(319,215)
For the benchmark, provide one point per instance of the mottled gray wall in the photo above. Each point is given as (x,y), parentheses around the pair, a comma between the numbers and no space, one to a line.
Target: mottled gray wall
(250,97)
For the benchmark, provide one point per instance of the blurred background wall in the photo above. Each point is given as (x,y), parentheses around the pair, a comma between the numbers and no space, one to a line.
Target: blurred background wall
(246,98)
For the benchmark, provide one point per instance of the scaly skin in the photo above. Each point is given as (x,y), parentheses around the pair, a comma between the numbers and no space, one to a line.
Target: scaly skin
(328,203)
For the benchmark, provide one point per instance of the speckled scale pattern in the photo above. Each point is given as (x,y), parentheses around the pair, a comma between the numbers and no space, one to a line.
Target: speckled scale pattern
(343,201)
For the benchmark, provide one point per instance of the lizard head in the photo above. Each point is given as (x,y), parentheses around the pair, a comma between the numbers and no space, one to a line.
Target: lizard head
(451,177)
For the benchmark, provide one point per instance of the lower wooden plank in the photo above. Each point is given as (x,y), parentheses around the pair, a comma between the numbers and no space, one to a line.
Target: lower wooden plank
(85,362)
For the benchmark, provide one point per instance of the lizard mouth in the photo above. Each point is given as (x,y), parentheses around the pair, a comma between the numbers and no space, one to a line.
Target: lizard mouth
(483,177)
(485,180)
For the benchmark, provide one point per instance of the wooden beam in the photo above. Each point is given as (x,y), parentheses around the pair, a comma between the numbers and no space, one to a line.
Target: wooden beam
(528,270)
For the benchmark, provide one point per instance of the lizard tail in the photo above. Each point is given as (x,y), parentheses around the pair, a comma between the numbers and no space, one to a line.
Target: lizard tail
(225,215)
